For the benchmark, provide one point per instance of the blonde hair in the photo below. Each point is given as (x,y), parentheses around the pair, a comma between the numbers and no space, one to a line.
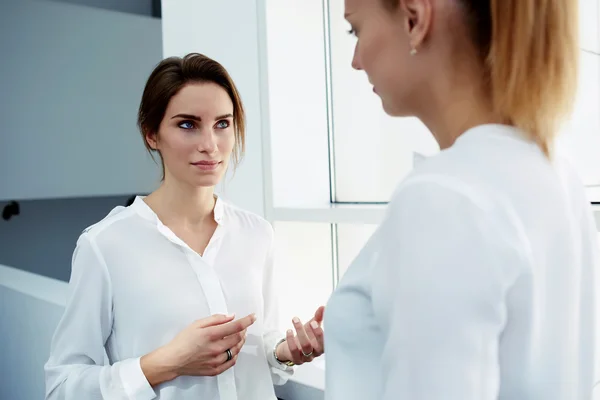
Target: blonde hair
(531,54)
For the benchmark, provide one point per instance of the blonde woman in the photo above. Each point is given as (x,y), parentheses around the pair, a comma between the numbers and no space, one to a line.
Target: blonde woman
(479,283)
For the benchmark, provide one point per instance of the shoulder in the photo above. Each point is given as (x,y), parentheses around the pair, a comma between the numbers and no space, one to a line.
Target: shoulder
(246,220)
(566,167)
(435,210)
(106,224)
(439,202)
(441,191)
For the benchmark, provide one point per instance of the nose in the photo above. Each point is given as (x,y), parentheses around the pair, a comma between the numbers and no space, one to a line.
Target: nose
(356,60)
(207,142)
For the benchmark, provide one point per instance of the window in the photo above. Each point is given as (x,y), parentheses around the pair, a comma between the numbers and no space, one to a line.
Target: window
(310,260)
(336,157)
(304,257)
(580,139)
(372,151)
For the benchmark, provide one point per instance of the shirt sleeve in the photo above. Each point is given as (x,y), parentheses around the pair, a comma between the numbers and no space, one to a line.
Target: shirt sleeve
(280,373)
(76,368)
(438,295)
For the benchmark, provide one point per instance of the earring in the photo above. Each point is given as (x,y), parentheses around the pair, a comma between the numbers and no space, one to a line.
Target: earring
(413,51)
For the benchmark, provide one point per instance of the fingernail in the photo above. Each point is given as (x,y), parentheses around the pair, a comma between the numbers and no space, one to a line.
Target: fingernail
(289,332)
(253,317)
(314,324)
(230,316)
(296,320)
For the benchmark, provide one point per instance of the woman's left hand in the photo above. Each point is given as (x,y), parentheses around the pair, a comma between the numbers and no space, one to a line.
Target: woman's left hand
(306,344)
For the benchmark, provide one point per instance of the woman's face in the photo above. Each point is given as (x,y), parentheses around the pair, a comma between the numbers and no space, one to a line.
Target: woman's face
(197,135)
(383,49)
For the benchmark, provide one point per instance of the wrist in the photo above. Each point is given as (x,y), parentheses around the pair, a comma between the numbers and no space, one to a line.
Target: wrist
(157,368)
(282,353)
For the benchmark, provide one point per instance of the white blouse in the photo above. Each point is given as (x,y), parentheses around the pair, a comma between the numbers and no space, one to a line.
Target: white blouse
(135,285)
(478,285)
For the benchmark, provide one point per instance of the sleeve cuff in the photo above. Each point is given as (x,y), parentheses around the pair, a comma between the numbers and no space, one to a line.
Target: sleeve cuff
(134,381)
(276,364)
(280,373)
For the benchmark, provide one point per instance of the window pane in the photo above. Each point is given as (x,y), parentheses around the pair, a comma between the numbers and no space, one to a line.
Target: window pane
(351,239)
(297,102)
(373,151)
(581,136)
(589,24)
(303,269)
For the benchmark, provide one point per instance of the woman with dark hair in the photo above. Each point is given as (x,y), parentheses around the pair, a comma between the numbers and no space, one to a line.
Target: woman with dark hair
(156,286)
(479,284)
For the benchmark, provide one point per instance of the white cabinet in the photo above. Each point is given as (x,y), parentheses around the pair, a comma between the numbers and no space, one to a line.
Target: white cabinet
(71,79)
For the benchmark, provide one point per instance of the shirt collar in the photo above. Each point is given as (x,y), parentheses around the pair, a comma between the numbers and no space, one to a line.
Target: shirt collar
(144,210)
(497,130)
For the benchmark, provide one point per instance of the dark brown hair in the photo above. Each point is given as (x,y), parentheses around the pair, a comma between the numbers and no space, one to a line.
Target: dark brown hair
(531,54)
(169,77)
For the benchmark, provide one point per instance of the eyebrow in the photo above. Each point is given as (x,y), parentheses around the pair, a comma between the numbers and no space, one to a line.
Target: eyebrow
(197,118)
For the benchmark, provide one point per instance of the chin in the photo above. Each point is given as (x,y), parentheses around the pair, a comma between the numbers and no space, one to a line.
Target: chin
(206,182)
(389,110)
(393,109)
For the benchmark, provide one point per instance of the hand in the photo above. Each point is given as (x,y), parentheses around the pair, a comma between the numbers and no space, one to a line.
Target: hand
(198,350)
(309,340)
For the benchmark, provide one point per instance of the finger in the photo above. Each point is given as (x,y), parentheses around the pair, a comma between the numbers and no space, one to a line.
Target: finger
(232,327)
(220,359)
(295,351)
(317,331)
(216,319)
(302,337)
(310,332)
(231,341)
(238,347)
(224,367)
(319,314)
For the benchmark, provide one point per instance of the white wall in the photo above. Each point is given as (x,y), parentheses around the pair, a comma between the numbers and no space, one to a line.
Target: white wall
(30,308)
(71,79)
(227,31)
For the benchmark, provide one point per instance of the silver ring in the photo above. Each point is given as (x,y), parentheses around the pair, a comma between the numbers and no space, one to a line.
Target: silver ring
(229,355)
(307,355)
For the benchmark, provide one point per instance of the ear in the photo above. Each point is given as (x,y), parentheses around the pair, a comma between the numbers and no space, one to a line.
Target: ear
(418,17)
(151,138)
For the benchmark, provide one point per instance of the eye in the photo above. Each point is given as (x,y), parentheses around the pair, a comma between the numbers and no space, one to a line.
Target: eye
(223,124)
(186,125)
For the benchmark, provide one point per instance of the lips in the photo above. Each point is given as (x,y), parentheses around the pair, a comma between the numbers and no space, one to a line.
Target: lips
(206,165)
(205,162)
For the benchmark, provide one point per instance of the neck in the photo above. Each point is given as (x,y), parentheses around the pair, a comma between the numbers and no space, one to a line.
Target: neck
(176,203)
(455,106)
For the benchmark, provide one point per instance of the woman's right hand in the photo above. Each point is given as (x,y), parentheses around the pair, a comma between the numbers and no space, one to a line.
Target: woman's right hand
(198,350)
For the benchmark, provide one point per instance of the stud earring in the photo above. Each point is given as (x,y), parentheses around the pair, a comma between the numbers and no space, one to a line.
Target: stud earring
(413,51)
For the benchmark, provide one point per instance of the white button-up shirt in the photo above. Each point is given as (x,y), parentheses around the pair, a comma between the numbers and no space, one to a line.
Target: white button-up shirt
(478,285)
(135,285)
